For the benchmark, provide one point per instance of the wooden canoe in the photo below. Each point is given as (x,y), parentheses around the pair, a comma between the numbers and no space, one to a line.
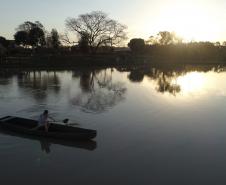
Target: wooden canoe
(48,142)
(56,131)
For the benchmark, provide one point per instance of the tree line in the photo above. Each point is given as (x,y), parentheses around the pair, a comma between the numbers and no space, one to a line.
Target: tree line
(95,30)
(167,45)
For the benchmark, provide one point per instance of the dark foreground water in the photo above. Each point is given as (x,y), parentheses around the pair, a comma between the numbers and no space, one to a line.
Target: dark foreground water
(155,126)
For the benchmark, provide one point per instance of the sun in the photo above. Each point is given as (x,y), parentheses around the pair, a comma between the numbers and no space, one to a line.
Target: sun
(192,24)
(190,21)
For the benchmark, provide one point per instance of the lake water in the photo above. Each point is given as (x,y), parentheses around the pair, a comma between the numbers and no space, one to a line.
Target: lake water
(155,126)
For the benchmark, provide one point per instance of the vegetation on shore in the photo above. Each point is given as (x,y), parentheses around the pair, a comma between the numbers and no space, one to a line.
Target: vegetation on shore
(94,38)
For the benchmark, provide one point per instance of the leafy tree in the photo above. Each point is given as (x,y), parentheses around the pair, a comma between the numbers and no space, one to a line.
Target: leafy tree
(30,33)
(164,38)
(218,44)
(55,39)
(28,26)
(137,45)
(37,37)
(152,40)
(100,29)
(21,38)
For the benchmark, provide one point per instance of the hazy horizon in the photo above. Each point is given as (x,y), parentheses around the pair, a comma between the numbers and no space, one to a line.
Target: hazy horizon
(202,20)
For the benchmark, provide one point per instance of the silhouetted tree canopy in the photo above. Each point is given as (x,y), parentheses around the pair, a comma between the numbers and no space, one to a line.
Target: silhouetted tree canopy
(84,43)
(21,38)
(99,29)
(28,26)
(136,45)
(183,52)
(30,33)
(55,39)
(37,37)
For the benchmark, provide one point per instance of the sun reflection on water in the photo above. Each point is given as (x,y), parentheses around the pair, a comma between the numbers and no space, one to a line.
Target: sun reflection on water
(192,82)
(186,85)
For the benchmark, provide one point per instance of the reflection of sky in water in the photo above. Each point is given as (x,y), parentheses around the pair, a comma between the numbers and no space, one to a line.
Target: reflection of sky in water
(97,91)
(190,85)
(28,93)
(151,123)
(204,84)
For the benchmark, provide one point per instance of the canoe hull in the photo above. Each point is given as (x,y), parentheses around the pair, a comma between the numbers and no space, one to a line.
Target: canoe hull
(56,131)
(46,142)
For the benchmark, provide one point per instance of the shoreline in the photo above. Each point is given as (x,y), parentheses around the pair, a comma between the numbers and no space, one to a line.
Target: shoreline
(99,61)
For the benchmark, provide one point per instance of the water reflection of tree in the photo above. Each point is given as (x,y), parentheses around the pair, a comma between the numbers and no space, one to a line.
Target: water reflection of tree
(36,84)
(98,91)
(165,77)
(165,84)
(136,76)
(165,80)
(6,75)
(87,81)
(39,83)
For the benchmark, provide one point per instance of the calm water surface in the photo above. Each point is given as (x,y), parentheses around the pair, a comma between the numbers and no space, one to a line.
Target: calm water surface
(155,126)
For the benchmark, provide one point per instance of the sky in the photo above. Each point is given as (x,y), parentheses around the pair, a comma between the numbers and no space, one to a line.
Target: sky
(199,20)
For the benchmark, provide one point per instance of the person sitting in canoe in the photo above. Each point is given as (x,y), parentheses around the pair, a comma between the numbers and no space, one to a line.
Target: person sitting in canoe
(43,120)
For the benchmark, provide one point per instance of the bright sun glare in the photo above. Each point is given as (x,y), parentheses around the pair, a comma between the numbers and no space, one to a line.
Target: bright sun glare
(191,82)
(192,25)
(191,21)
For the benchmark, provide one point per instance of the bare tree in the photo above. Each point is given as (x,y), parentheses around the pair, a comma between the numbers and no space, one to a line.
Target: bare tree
(65,39)
(100,29)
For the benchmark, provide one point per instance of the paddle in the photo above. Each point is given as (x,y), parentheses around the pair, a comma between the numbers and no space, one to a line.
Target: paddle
(65,121)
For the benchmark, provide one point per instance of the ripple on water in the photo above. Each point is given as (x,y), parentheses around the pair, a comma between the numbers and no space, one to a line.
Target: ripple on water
(8,143)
